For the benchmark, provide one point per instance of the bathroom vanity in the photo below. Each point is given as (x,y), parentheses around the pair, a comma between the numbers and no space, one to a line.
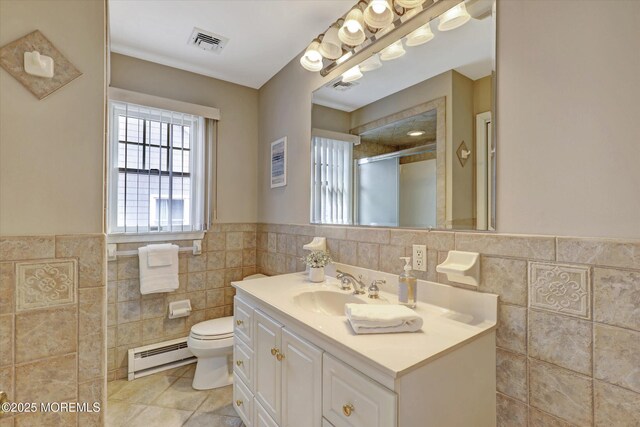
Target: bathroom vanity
(298,363)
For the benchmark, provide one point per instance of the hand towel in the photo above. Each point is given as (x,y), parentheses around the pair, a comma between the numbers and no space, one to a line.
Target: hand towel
(158,278)
(382,318)
(160,255)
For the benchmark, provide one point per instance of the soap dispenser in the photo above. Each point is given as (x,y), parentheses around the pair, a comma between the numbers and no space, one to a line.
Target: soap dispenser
(407,285)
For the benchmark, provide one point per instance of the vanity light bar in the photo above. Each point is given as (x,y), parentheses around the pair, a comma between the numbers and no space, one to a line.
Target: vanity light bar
(349,29)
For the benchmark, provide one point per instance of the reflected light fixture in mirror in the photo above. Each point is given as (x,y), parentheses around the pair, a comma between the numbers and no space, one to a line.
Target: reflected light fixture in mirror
(378,14)
(393,51)
(420,36)
(371,63)
(454,18)
(352,74)
(352,31)
(331,47)
(312,59)
(409,4)
(416,133)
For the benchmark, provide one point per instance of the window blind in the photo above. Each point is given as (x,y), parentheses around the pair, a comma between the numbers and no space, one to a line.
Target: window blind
(331,181)
(157,170)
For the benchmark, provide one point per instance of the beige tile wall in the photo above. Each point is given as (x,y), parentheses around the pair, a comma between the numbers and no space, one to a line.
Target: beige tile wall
(52,325)
(228,254)
(568,340)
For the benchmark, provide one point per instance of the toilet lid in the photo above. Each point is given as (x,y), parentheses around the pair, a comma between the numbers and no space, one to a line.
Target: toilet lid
(214,327)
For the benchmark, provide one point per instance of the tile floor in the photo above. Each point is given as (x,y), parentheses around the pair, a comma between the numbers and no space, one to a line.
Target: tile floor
(166,399)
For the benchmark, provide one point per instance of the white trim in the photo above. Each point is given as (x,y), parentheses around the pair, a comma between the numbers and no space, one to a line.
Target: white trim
(123,95)
(154,237)
(483,171)
(329,134)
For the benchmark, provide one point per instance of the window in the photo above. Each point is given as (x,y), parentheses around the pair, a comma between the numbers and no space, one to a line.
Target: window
(331,181)
(156,177)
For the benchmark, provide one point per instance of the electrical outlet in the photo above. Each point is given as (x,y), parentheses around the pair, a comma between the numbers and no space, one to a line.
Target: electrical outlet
(420,257)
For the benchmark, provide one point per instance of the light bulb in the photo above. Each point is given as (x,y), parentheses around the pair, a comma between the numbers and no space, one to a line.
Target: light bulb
(313,55)
(378,6)
(312,60)
(353,26)
(378,13)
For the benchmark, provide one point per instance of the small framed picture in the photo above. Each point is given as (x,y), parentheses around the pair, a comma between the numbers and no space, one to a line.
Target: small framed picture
(279,163)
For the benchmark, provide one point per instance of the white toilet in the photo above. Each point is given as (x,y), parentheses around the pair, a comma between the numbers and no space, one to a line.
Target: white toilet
(211,342)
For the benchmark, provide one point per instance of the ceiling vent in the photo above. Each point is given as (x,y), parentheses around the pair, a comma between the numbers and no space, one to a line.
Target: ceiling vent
(206,40)
(341,86)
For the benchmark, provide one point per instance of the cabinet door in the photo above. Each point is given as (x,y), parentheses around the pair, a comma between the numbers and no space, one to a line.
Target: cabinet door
(351,399)
(267,340)
(261,417)
(301,382)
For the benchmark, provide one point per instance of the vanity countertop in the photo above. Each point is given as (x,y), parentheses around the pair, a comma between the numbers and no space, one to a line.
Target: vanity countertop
(451,316)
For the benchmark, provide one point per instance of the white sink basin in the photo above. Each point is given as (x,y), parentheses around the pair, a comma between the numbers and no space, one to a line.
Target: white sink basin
(325,302)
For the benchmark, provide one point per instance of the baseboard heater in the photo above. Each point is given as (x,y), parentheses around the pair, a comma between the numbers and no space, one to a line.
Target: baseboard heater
(161,356)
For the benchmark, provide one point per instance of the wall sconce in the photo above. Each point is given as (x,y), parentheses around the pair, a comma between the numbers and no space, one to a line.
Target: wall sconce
(378,13)
(352,74)
(394,51)
(331,46)
(352,31)
(420,36)
(312,59)
(454,18)
(463,153)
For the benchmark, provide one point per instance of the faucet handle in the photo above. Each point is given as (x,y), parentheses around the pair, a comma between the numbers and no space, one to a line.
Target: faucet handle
(374,290)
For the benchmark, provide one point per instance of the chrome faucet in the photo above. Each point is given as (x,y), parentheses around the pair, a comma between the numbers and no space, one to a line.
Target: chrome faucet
(346,279)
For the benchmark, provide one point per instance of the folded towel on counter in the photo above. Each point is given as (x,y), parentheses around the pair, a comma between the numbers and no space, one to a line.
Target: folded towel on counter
(158,268)
(382,318)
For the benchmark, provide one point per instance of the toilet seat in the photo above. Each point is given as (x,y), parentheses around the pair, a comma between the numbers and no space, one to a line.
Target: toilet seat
(213,330)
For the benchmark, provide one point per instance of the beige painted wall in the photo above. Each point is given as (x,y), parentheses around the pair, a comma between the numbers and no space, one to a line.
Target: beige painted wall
(51,151)
(237,131)
(568,151)
(482,93)
(330,119)
(463,214)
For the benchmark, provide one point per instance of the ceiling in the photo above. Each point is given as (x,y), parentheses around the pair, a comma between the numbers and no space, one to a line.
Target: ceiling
(468,50)
(264,35)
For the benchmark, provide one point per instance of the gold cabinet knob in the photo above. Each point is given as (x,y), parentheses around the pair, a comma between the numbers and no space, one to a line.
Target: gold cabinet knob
(274,351)
(279,356)
(239,322)
(239,363)
(348,409)
(238,402)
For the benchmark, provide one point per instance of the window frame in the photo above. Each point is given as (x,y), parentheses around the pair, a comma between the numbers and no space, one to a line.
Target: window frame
(117,234)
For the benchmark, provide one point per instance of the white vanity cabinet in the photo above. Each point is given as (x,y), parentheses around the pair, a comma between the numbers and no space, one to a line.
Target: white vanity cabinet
(296,367)
(287,376)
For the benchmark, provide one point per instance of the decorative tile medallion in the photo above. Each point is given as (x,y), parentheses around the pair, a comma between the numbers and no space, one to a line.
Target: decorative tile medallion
(46,283)
(560,288)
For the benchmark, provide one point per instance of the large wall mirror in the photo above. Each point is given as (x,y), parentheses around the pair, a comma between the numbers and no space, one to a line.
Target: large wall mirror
(404,138)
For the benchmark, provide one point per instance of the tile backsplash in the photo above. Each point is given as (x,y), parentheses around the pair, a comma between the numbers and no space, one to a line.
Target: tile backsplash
(568,338)
(52,325)
(133,320)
